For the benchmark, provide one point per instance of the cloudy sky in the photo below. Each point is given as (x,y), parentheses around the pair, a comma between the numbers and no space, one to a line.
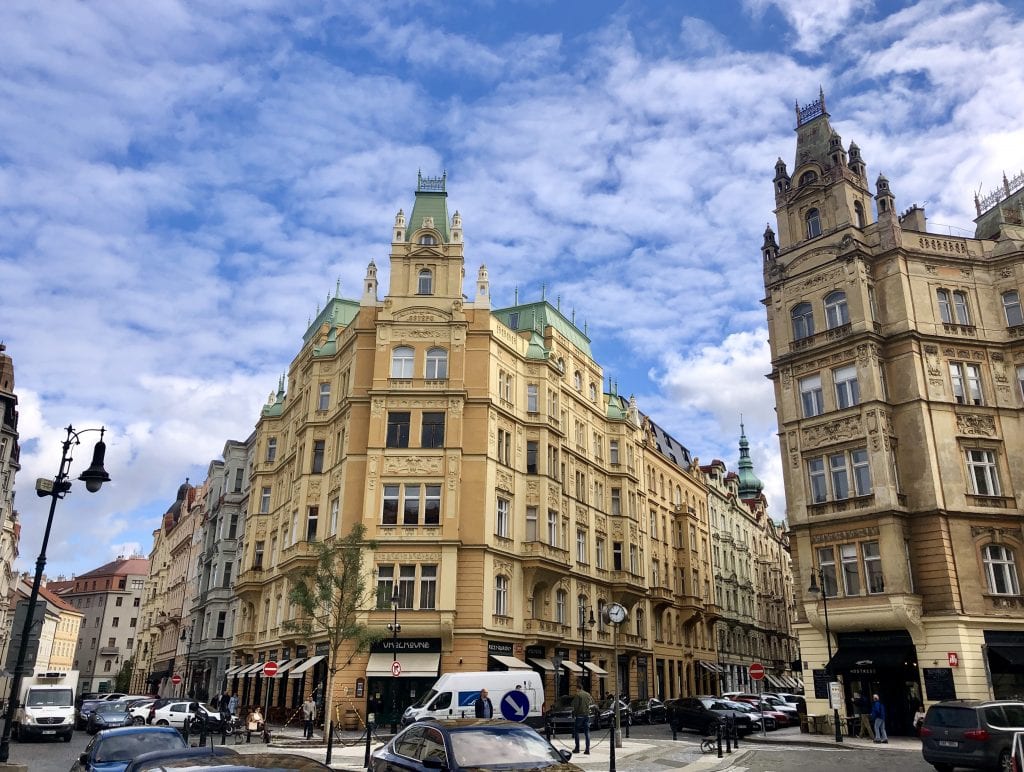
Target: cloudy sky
(181,184)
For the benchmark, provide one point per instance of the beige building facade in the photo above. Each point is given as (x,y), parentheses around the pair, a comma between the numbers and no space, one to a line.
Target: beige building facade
(10,463)
(511,496)
(898,364)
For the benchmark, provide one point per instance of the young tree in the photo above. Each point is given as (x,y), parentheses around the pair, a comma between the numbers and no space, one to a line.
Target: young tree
(330,595)
(122,683)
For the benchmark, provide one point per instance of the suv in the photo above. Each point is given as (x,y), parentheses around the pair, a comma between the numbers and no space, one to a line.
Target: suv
(971,733)
(705,713)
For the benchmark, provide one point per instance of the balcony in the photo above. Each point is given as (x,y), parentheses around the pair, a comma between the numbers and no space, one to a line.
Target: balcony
(251,580)
(547,627)
(297,555)
(418,384)
(843,505)
(991,502)
(1004,605)
(661,594)
(960,330)
(541,554)
(110,651)
(245,639)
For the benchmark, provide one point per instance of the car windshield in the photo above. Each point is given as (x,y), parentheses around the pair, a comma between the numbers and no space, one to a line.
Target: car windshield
(49,698)
(110,707)
(487,746)
(953,717)
(125,747)
(425,699)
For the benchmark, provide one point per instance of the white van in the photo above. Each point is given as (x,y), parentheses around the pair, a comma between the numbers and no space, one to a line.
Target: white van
(46,706)
(454,695)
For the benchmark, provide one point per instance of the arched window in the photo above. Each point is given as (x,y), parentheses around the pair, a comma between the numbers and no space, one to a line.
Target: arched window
(437,364)
(858,211)
(561,598)
(593,393)
(803,321)
(808,177)
(425,286)
(836,313)
(501,596)
(401,362)
(428,240)
(106,666)
(577,380)
(1000,570)
(813,221)
(1011,306)
(561,365)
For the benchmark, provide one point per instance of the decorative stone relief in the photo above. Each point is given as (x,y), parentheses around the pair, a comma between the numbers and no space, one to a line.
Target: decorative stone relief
(420,333)
(931,358)
(421,315)
(552,498)
(787,378)
(455,406)
(832,431)
(397,465)
(1006,273)
(503,567)
(826,277)
(412,557)
(794,449)
(853,533)
(503,481)
(453,473)
(998,534)
(974,425)
(930,269)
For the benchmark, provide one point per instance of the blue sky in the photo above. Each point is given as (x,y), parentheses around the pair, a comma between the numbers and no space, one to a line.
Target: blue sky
(181,184)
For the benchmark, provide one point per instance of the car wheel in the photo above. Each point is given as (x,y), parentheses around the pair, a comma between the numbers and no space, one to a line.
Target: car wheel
(943,767)
(138,720)
(162,722)
(1005,763)
(68,736)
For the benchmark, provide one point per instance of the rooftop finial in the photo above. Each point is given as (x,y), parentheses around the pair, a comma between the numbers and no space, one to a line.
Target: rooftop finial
(558,303)
(543,291)
(516,302)
(337,287)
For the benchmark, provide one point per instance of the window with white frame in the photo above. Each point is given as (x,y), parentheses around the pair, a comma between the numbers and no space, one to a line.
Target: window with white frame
(802,317)
(577,380)
(593,393)
(1000,570)
(850,564)
(965,379)
(616,501)
(812,220)
(532,398)
(425,283)
(1020,379)
(552,528)
(501,596)
(836,312)
(837,476)
(982,471)
(271,449)
(811,398)
(581,546)
(634,559)
(1011,307)
(502,519)
(418,504)
(847,389)
(333,526)
(504,446)
(324,398)
(531,524)
(561,600)
(953,308)
(613,452)
(599,550)
(385,585)
(827,564)
(401,362)
(428,586)
(265,500)
(874,579)
(437,364)
(406,586)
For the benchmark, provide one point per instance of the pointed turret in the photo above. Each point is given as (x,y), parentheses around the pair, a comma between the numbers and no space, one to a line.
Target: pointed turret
(884,198)
(399,234)
(370,284)
(483,290)
(769,249)
(750,485)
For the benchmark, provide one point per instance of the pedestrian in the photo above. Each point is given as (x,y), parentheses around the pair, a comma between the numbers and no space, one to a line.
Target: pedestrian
(581,709)
(215,701)
(878,719)
(308,717)
(483,707)
(862,709)
(919,719)
(233,704)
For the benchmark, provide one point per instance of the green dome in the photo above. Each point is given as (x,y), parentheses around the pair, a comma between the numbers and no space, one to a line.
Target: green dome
(750,485)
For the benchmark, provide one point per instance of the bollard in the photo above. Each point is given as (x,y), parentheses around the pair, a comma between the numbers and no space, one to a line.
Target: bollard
(629,723)
(611,749)
(547,730)
(736,735)
(184,729)
(718,734)
(674,736)
(728,737)
(366,756)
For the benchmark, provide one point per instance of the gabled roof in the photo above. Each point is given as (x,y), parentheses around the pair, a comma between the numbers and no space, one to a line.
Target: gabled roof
(118,567)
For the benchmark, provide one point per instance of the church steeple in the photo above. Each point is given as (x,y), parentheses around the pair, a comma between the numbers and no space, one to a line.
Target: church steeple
(750,485)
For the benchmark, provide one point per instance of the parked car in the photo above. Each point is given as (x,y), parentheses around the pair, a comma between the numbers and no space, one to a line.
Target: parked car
(251,762)
(108,715)
(85,710)
(783,718)
(650,711)
(174,712)
(111,750)
(761,720)
(970,733)
(560,717)
(705,713)
(606,715)
(477,745)
(156,761)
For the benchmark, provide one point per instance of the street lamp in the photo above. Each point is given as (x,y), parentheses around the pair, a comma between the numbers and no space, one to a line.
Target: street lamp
(817,575)
(57,488)
(186,634)
(584,624)
(395,629)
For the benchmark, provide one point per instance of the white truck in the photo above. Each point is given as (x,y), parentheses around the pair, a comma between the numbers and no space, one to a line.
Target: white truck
(454,695)
(46,707)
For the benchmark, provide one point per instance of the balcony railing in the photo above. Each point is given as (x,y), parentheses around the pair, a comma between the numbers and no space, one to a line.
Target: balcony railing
(109,651)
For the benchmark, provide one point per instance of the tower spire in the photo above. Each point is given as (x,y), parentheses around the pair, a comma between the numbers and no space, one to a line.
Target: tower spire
(750,485)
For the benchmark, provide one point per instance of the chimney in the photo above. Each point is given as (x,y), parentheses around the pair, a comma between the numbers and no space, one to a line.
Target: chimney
(914,220)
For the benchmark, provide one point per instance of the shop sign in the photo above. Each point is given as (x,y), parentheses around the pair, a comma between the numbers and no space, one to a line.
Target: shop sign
(360,687)
(537,652)
(641,660)
(301,652)
(388,645)
(953,658)
(501,648)
(322,649)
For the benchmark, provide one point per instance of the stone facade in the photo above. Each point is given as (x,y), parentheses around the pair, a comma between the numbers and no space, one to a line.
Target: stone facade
(898,364)
(10,528)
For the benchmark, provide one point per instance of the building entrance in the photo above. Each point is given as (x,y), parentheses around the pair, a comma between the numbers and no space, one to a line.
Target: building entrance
(882,663)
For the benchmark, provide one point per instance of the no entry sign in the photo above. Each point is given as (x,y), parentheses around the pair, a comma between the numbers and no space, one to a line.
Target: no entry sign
(757,671)
(270,669)
(175,679)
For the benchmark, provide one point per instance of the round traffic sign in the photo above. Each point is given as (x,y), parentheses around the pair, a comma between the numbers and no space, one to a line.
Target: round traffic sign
(396,668)
(515,705)
(757,671)
(175,679)
(270,669)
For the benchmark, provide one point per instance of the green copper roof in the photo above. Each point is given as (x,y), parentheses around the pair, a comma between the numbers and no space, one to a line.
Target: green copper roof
(338,313)
(537,316)
(750,485)
(431,201)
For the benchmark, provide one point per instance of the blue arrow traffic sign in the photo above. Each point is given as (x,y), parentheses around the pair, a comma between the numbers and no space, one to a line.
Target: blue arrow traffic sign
(515,705)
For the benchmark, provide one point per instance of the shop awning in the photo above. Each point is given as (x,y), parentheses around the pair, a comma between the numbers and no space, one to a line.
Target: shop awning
(1014,655)
(279,666)
(595,669)
(249,669)
(414,665)
(233,669)
(571,666)
(298,671)
(799,683)
(512,663)
(544,664)
(875,656)
(711,667)
(774,681)
(284,668)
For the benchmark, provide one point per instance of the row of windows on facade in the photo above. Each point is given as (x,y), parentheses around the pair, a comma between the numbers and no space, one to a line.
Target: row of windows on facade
(86,601)
(122,583)
(953,308)
(506,389)
(855,569)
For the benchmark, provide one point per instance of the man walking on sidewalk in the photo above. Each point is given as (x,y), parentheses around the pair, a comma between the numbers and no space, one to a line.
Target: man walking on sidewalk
(581,702)
(878,718)
(308,716)
(863,710)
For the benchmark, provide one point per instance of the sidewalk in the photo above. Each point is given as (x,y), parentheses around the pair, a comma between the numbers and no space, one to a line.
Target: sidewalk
(793,736)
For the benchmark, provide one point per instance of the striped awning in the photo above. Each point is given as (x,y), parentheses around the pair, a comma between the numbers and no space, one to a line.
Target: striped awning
(571,666)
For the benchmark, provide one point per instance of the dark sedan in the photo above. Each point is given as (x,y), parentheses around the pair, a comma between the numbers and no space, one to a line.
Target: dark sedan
(561,718)
(108,715)
(650,711)
(704,714)
(111,750)
(606,710)
(469,745)
(85,709)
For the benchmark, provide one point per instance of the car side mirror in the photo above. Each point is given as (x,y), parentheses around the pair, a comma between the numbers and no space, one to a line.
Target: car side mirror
(83,759)
(566,755)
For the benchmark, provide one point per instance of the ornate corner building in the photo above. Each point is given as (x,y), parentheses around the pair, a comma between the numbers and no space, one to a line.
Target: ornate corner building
(898,364)
(10,463)
(510,492)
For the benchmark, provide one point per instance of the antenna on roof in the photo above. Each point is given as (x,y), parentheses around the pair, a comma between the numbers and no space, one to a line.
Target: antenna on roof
(543,291)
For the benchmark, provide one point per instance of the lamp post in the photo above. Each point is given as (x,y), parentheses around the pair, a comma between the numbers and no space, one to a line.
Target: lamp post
(186,634)
(817,575)
(395,629)
(57,488)
(584,624)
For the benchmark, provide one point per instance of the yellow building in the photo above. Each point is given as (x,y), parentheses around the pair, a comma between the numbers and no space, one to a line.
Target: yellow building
(511,496)
(898,363)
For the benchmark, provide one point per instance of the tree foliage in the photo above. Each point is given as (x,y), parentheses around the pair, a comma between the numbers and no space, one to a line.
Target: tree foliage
(331,594)
(123,680)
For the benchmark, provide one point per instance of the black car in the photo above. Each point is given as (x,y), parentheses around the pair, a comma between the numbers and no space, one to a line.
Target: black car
(160,760)
(108,715)
(650,711)
(705,714)
(970,733)
(560,717)
(85,710)
(477,745)
(606,712)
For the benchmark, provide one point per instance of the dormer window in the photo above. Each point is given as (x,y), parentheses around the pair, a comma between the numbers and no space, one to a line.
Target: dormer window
(425,285)
(808,177)
(813,221)
(427,240)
